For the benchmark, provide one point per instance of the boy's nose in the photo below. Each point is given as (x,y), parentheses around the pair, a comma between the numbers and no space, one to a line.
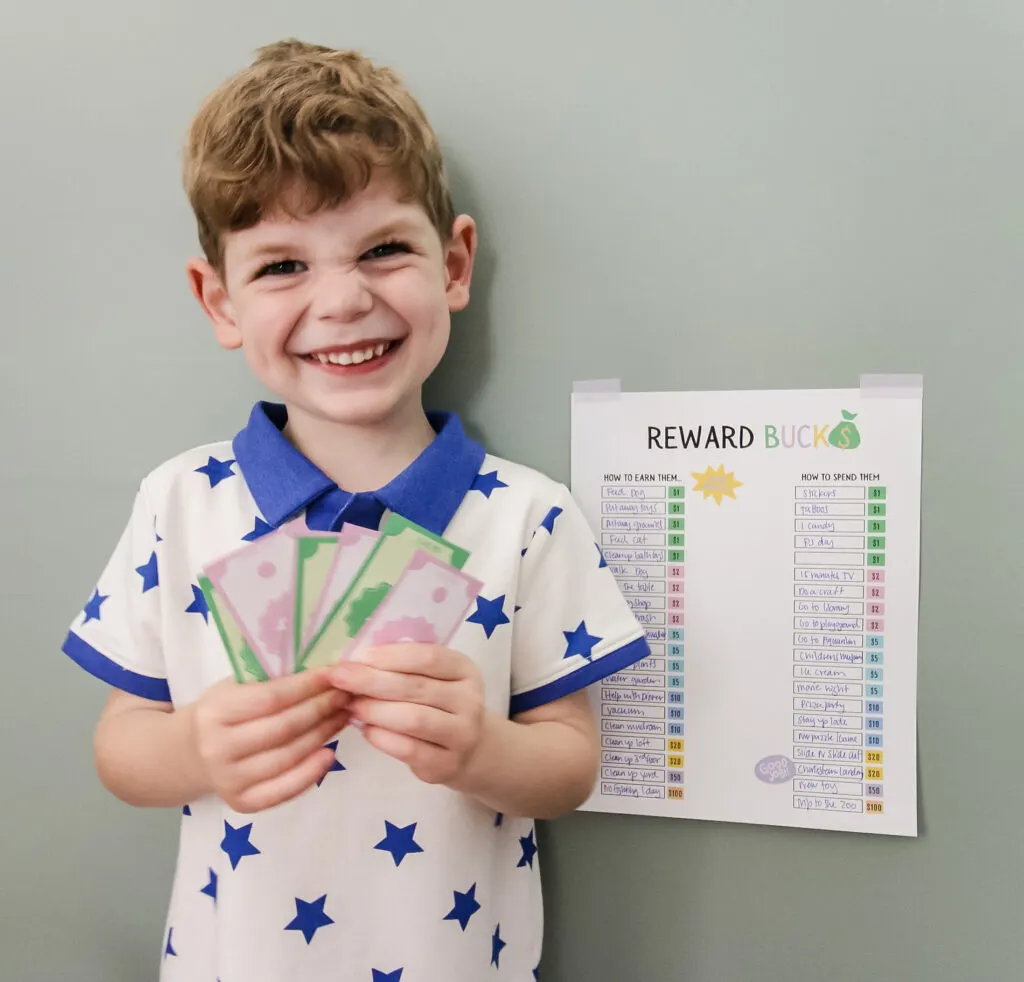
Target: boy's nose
(341,295)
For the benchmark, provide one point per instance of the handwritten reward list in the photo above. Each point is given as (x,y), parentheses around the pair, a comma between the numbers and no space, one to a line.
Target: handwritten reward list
(767,542)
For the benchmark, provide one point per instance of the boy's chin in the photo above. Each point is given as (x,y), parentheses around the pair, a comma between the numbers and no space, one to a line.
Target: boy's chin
(372,411)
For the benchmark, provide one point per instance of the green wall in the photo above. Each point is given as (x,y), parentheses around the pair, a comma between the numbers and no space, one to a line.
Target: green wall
(683,195)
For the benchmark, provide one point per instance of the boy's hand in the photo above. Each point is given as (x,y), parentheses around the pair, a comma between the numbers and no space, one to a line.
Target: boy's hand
(419,703)
(262,744)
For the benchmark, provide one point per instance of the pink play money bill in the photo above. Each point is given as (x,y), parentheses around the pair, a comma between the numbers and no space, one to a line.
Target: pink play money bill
(257,583)
(427,604)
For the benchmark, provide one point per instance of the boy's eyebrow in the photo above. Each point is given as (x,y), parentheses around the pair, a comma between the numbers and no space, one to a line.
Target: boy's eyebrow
(265,250)
(396,228)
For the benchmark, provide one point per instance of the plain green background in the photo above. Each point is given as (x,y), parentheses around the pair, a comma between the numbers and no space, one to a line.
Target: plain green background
(679,194)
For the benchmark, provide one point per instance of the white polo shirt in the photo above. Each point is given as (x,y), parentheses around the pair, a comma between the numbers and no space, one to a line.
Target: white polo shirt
(371,876)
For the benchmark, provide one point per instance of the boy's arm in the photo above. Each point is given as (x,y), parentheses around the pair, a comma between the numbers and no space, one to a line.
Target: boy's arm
(253,745)
(143,752)
(540,764)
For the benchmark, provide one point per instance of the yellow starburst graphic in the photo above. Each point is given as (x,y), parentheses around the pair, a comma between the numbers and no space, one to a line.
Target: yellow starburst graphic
(716,483)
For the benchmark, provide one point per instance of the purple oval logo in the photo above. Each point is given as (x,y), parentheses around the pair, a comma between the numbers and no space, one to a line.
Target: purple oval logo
(775,769)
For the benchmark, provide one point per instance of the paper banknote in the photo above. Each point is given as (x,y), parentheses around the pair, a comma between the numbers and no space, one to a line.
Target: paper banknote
(324,585)
(257,584)
(427,604)
(244,664)
(314,555)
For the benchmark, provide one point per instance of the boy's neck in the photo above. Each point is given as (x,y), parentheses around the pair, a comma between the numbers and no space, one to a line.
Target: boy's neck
(362,457)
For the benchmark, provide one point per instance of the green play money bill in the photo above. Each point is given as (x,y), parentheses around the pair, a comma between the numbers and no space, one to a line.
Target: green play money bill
(244,664)
(315,556)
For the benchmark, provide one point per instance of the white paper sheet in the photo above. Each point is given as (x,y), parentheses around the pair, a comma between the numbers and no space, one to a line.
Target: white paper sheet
(769,542)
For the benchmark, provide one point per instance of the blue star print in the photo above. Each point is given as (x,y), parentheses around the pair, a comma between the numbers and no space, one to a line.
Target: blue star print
(579,642)
(601,563)
(488,614)
(211,888)
(198,605)
(216,470)
(486,483)
(499,817)
(379,976)
(336,765)
(92,608)
(496,945)
(549,520)
(185,810)
(259,529)
(169,948)
(529,847)
(466,905)
(399,841)
(309,917)
(536,974)
(236,843)
(149,572)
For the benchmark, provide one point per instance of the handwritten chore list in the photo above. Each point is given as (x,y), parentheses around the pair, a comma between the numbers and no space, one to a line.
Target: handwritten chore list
(768,542)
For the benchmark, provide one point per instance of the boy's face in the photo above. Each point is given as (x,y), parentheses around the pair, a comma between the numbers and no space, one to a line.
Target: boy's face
(343,314)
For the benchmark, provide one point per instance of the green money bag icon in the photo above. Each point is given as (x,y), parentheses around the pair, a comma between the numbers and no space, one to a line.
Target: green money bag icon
(845,435)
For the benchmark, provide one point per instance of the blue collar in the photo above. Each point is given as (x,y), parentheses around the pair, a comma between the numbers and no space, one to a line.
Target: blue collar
(283,481)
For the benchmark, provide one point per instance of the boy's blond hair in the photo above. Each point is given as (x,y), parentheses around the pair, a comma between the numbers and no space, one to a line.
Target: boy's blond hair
(303,128)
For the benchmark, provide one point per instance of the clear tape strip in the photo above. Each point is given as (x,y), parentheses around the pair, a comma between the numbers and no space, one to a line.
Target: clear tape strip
(891,386)
(597,390)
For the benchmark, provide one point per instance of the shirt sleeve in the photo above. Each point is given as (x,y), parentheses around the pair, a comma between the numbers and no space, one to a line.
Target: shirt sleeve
(572,626)
(117,637)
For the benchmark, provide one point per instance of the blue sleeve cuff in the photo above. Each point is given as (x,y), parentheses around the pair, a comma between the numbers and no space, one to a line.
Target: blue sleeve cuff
(98,664)
(614,661)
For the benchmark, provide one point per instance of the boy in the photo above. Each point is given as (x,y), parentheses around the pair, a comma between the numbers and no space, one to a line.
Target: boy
(400,848)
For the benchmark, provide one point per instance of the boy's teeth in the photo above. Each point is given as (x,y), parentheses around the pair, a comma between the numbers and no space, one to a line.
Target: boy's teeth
(352,357)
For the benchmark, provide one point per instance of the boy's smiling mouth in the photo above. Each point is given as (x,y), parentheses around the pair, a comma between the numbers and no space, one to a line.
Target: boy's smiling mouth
(360,356)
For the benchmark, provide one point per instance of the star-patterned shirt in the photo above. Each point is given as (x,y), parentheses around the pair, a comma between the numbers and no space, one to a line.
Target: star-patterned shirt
(372,875)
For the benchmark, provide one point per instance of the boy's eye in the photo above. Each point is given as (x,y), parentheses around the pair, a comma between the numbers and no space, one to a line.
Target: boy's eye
(286,267)
(385,250)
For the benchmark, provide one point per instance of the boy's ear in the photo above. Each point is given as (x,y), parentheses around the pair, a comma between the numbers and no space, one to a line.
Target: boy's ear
(208,288)
(458,261)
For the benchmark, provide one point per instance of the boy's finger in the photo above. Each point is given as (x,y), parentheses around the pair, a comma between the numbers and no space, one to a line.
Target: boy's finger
(278,760)
(267,732)
(362,680)
(430,660)
(246,702)
(420,722)
(288,785)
